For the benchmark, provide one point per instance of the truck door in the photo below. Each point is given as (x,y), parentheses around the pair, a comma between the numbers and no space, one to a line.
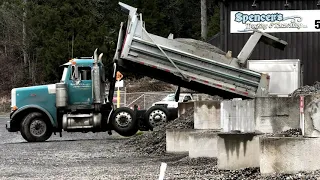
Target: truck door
(80,86)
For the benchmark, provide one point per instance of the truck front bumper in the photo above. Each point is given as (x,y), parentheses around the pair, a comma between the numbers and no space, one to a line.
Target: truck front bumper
(8,123)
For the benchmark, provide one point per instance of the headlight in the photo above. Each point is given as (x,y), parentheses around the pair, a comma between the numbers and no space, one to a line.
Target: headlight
(13,99)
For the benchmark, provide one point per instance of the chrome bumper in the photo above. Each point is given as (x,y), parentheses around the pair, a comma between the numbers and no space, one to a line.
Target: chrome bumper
(8,125)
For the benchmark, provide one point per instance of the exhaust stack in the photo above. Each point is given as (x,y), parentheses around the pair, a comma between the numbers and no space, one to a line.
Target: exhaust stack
(96,83)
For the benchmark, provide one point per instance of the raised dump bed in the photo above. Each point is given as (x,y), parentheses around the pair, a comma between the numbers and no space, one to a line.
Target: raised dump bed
(189,63)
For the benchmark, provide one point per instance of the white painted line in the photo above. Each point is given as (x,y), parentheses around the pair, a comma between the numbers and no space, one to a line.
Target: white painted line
(162,170)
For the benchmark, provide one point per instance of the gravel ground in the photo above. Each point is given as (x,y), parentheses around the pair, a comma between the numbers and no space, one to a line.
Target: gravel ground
(99,156)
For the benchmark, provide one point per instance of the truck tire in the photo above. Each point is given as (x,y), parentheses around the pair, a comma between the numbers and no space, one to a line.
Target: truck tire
(156,116)
(124,121)
(35,127)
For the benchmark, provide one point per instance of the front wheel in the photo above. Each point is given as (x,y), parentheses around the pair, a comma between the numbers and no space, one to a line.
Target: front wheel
(36,127)
(124,121)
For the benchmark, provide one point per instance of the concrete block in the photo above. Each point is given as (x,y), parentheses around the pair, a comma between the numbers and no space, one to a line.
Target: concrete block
(203,143)
(207,115)
(237,115)
(312,115)
(276,114)
(237,151)
(177,140)
(184,106)
(289,154)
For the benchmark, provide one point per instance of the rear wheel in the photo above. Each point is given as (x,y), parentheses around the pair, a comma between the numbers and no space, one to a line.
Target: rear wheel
(36,127)
(156,116)
(124,121)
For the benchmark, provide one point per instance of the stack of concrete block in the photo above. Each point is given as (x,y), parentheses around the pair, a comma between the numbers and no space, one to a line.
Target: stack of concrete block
(203,141)
(271,115)
(251,148)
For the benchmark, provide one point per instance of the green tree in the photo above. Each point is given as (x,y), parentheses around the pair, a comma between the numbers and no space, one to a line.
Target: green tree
(68,29)
(60,30)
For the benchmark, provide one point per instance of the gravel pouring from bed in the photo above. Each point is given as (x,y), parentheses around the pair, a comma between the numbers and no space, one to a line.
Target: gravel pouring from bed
(154,143)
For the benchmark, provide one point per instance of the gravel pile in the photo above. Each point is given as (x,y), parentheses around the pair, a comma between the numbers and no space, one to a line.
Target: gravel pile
(149,143)
(186,161)
(154,143)
(315,88)
(288,133)
(185,121)
(293,132)
(201,45)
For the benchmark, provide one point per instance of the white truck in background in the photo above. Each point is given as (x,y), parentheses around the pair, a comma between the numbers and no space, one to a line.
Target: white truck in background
(170,102)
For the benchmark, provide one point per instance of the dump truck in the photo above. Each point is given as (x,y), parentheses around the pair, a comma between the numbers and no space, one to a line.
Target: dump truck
(79,103)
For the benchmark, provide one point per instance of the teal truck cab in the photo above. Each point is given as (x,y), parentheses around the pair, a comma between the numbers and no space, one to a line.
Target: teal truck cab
(78,103)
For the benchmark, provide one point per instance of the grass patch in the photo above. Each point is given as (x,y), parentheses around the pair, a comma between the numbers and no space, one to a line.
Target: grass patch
(139,133)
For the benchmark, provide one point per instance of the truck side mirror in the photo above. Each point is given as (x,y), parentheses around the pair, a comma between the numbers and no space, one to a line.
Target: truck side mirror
(75,72)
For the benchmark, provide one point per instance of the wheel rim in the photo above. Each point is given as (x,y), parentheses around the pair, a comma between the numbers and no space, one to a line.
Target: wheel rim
(123,119)
(157,117)
(38,128)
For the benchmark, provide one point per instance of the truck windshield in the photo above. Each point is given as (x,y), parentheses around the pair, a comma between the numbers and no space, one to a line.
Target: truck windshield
(64,74)
(170,97)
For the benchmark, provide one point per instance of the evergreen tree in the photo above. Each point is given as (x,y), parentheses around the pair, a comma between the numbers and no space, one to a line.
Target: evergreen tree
(60,30)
